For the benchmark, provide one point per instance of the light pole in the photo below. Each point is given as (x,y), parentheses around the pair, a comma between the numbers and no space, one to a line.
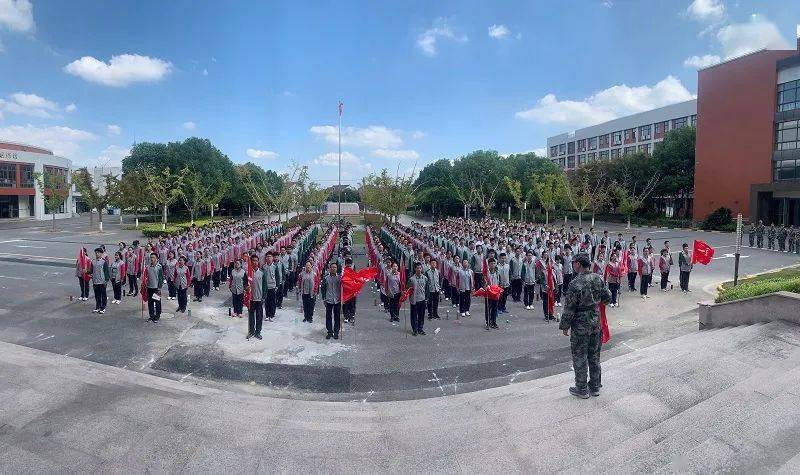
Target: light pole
(738,249)
(339,213)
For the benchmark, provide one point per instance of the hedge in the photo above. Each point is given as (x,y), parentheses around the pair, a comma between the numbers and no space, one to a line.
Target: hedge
(154,230)
(762,287)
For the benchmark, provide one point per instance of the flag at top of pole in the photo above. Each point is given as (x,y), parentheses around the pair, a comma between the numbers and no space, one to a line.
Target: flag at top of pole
(341,108)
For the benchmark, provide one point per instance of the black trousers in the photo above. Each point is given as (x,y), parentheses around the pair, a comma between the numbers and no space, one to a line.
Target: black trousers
(215,278)
(567,280)
(631,280)
(516,289)
(171,288)
(133,288)
(545,309)
(237,301)
(349,308)
(279,296)
(529,294)
(433,305)
(182,298)
(417,311)
(684,280)
(394,306)
(478,280)
(100,297)
(269,303)
(614,288)
(153,305)
(491,312)
(664,280)
(199,289)
(255,317)
(223,274)
(117,287)
(446,288)
(644,282)
(207,285)
(501,305)
(84,284)
(454,295)
(464,301)
(333,318)
(308,307)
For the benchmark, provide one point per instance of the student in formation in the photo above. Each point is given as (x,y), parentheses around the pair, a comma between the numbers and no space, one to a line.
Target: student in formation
(685,267)
(393,289)
(99,270)
(181,279)
(133,269)
(169,268)
(117,277)
(633,265)
(272,279)
(504,281)
(613,274)
(492,278)
(528,280)
(198,277)
(645,267)
(332,296)
(255,312)
(558,277)
(349,307)
(664,264)
(434,289)
(208,269)
(307,291)
(455,271)
(82,273)
(417,301)
(154,276)
(237,285)
(515,272)
(466,284)
(566,265)
(544,286)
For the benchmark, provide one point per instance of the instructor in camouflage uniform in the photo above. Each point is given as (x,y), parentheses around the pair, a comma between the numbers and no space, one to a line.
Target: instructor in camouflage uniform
(582,318)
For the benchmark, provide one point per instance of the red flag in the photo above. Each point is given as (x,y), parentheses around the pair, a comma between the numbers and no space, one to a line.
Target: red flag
(604,324)
(403,273)
(405,294)
(623,265)
(551,289)
(83,263)
(248,293)
(143,290)
(341,108)
(702,252)
(492,292)
(353,282)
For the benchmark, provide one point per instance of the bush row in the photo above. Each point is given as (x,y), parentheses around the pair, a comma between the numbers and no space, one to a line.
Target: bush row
(754,289)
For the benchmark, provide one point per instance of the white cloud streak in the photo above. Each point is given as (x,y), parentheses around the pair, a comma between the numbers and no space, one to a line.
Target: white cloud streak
(121,71)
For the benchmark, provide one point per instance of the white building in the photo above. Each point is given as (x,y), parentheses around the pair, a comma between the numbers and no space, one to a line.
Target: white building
(20,196)
(615,138)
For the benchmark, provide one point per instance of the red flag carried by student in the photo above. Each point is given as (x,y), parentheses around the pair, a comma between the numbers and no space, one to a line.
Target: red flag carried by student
(406,293)
(353,281)
(493,292)
(83,263)
(143,290)
(623,263)
(402,273)
(702,252)
(248,293)
(551,289)
(606,333)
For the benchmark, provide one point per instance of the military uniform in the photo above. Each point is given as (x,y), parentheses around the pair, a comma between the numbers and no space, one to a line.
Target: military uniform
(771,233)
(582,318)
(760,235)
(751,234)
(792,238)
(782,234)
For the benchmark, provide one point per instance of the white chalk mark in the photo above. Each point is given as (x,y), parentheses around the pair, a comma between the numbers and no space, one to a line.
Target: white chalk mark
(437,381)
(515,376)
(368,396)
(185,376)
(629,346)
(152,360)
(31,247)
(86,356)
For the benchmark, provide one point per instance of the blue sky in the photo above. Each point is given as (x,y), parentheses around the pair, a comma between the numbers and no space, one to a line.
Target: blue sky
(420,80)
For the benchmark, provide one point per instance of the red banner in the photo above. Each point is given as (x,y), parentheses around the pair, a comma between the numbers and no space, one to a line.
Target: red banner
(353,282)
(604,324)
(493,292)
(702,252)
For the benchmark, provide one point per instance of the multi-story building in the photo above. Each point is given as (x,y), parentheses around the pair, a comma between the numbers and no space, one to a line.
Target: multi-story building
(20,197)
(748,137)
(624,136)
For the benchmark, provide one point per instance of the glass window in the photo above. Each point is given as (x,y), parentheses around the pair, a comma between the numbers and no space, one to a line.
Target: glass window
(615,153)
(571,147)
(630,135)
(553,151)
(644,132)
(27,176)
(789,96)
(616,138)
(786,170)
(787,135)
(561,162)
(604,141)
(645,148)
(562,149)
(604,155)
(8,175)
(571,161)
(693,120)
(679,122)
(593,143)
(630,150)
(591,156)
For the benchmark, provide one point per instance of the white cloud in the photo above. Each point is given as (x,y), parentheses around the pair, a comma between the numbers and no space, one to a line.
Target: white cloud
(499,31)
(395,154)
(112,156)
(287,94)
(616,101)
(742,38)
(189,125)
(205,72)
(540,152)
(63,141)
(121,70)
(700,62)
(33,105)
(426,41)
(374,136)
(254,153)
(418,134)
(706,10)
(17,15)
(607,3)
(71,107)
(113,129)
(331,159)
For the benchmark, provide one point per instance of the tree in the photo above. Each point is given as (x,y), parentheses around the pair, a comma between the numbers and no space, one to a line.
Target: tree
(549,189)
(128,192)
(165,188)
(477,178)
(95,198)
(674,158)
(586,188)
(215,195)
(435,190)
(387,195)
(260,187)
(632,190)
(55,191)
(194,192)
(515,189)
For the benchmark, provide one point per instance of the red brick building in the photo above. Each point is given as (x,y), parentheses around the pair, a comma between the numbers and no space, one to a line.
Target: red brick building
(748,139)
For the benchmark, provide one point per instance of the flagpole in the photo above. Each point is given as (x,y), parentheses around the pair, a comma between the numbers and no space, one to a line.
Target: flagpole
(339,213)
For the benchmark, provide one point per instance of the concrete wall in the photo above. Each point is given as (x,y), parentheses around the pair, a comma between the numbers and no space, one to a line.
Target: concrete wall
(764,308)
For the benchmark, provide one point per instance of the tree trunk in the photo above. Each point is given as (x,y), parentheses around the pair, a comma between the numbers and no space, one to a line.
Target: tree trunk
(54,221)
(91,219)
(120,216)
(137,221)
(546,217)
(164,219)
(629,222)
(592,218)
(212,214)
(580,218)
(100,219)
(191,215)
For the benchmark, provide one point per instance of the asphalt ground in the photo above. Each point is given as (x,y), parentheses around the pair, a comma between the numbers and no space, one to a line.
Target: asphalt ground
(374,357)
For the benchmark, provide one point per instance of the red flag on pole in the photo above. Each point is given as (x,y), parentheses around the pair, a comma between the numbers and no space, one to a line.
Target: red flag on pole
(341,108)
(492,292)
(406,293)
(143,290)
(702,252)
(606,333)
(403,273)
(551,289)
(83,263)
(353,282)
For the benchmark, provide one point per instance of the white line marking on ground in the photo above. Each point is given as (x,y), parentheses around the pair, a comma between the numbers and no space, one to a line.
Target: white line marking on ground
(32,247)
(32,280)
(8,254)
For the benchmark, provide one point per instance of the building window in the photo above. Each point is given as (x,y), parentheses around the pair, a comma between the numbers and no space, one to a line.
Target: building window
(561,162)
(789,96)
(660,128)
(679,122)
(604,155)
(582,145)
(553,151)
(786,170)
(693,120)
(8,175)
(616,138)
(603,141)
(27,176)
(644,133)
(571,161)
(581,159)
(630,136)
(571,148)
(786,135)
(645,149)
(562,149)
(591,156)
(593,143)
(615,153)
(629,150)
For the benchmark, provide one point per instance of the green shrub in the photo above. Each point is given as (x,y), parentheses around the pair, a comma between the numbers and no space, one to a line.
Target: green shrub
(762,287)
(154,230)
(721,219)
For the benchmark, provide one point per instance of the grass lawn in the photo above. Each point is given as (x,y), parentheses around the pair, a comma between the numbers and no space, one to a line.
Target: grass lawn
(788,273)
(358,238)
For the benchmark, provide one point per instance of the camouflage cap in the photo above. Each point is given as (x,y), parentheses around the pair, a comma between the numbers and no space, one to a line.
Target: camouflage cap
(583,259)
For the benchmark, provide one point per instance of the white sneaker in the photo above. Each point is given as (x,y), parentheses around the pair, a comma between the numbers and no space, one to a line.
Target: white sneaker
(647,296)
(462,315)
(468,314)
(102,311)
(643,297)
(95,311)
